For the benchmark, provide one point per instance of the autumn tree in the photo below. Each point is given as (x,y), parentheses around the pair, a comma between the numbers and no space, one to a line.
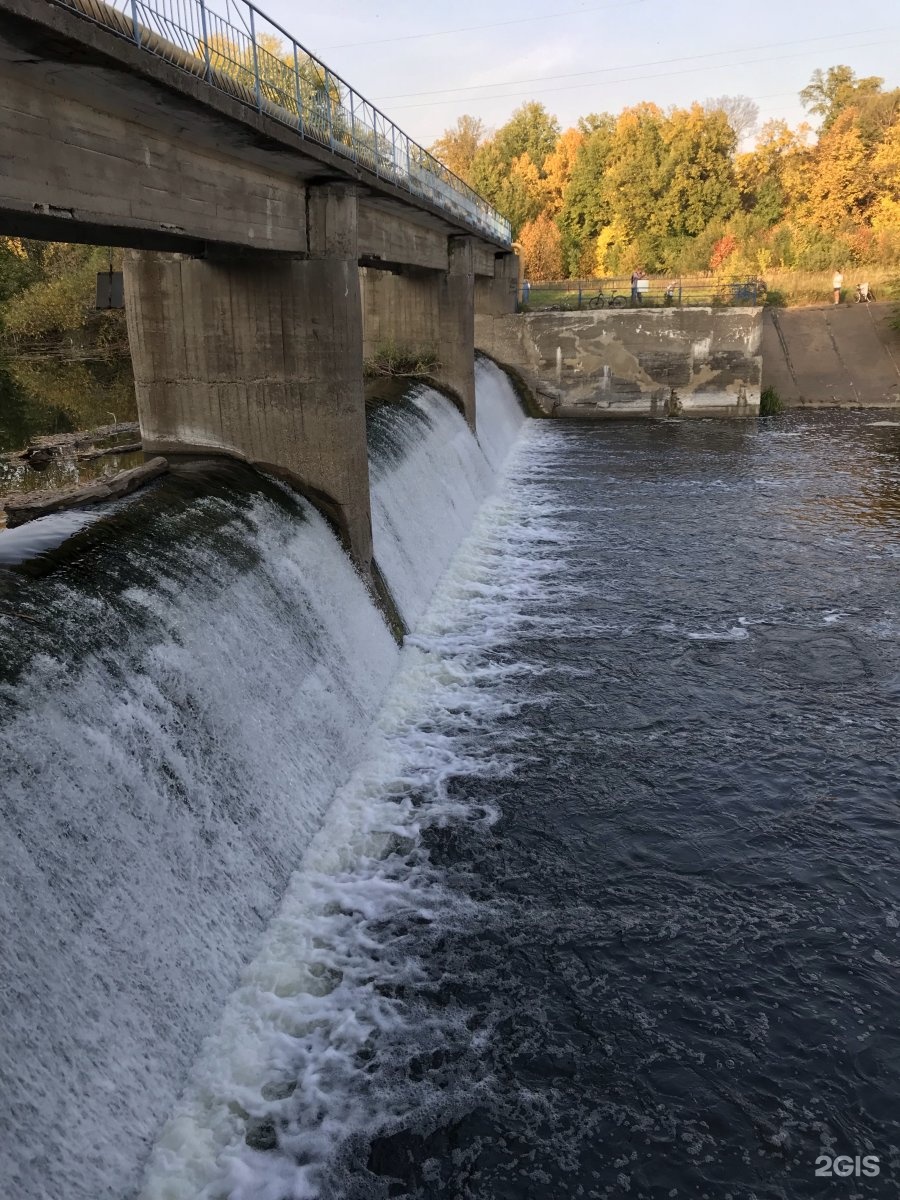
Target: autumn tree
(839,187)
(697,176)
(558,167)
(634,177)
(829,92)
(585,206)
(741,113)
(530,130)
(508,169)
(457,147)
(541,249)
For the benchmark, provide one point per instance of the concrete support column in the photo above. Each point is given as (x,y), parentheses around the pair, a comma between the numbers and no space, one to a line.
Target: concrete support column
(260,357)
(424,311)
(456,325)
(498,296)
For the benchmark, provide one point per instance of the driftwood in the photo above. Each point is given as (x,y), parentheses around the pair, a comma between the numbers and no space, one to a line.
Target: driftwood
(25,507)
(128,448)
(56,443)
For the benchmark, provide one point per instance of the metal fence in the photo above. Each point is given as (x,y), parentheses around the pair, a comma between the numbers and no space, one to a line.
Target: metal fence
(237,49)
(664,292)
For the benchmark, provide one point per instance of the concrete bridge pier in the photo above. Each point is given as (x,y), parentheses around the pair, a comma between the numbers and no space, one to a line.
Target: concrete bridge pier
(421,310)
(260,357)
(497,295)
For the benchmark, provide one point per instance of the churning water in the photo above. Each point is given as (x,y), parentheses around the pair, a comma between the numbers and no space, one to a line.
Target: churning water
(590,891)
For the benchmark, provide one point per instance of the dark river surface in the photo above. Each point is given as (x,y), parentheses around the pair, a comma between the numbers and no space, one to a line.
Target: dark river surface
(591,891)
(683,971)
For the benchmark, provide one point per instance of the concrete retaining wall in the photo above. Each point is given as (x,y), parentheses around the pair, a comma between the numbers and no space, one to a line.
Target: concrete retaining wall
(832,355)
(633,363)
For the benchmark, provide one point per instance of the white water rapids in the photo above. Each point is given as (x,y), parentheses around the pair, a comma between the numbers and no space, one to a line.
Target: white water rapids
(209,820)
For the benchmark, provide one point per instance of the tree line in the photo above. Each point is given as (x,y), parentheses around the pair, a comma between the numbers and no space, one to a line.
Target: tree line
(671,192)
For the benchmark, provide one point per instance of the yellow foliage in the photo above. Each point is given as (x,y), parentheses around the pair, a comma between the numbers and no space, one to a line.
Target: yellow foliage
(885,215)
(558,167)
(886,162)
(839,180)
(524,170)
(614,251)
(541,249)
(16,247)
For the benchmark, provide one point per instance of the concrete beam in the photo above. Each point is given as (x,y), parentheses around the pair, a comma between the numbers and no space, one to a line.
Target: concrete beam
(260,359)
(388,241)
(80,172)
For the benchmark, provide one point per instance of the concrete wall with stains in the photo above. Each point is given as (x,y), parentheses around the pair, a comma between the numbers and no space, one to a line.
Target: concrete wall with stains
(835,355)
(633,362)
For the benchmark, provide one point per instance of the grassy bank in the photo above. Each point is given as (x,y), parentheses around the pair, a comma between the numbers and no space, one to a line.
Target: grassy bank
(795,288)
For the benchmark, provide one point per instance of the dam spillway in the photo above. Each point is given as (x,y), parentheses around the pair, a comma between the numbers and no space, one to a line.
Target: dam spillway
(188,697)
(592,885)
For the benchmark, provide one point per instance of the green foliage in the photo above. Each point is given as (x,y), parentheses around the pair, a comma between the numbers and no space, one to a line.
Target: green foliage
(57,290)
(530,130)
(770,403)
(697,180)
(586,208)
(457,147)
(830,92)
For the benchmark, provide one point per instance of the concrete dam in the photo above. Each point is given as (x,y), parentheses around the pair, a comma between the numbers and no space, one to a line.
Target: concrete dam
(254,896)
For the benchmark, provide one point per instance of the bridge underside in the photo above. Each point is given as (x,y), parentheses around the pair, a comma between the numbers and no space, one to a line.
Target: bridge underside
(108,144)
(243,286)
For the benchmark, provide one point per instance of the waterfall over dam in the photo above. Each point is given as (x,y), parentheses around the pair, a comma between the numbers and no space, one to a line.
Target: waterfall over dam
(591,888)
(185,702)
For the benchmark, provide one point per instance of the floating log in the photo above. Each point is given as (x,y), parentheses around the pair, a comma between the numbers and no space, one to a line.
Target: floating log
(59,442)
(128,448)
(25,507)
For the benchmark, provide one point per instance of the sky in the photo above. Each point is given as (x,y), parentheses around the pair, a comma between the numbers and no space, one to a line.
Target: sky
(425,64)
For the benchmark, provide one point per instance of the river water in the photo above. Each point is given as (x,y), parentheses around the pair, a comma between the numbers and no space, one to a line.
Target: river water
(590,891)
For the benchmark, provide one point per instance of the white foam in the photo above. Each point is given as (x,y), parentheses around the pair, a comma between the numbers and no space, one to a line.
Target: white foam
(424,503)
(157,794)
(288,1049)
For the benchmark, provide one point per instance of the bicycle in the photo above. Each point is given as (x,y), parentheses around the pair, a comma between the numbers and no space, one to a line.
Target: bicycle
(601,300)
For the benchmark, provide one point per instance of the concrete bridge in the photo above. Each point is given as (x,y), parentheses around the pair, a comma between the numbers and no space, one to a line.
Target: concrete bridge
(266,207)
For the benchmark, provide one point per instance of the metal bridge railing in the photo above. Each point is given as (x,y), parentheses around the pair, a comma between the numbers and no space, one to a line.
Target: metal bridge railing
(713,291)
(237,49)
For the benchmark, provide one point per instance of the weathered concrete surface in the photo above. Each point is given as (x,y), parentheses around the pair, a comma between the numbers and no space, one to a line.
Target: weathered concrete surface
(633,363)
(497,295)
(260,358)
(106,143)
(832,355)
(456,326)
(29,506)
(428,312)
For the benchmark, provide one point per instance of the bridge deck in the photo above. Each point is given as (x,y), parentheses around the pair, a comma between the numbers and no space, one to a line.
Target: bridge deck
(117,134)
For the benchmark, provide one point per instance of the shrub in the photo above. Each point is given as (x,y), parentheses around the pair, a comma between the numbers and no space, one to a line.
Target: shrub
(391,359)
(770,403)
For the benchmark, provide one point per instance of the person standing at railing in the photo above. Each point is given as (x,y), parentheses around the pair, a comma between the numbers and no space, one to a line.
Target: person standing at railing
(636,276)
(526,291)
